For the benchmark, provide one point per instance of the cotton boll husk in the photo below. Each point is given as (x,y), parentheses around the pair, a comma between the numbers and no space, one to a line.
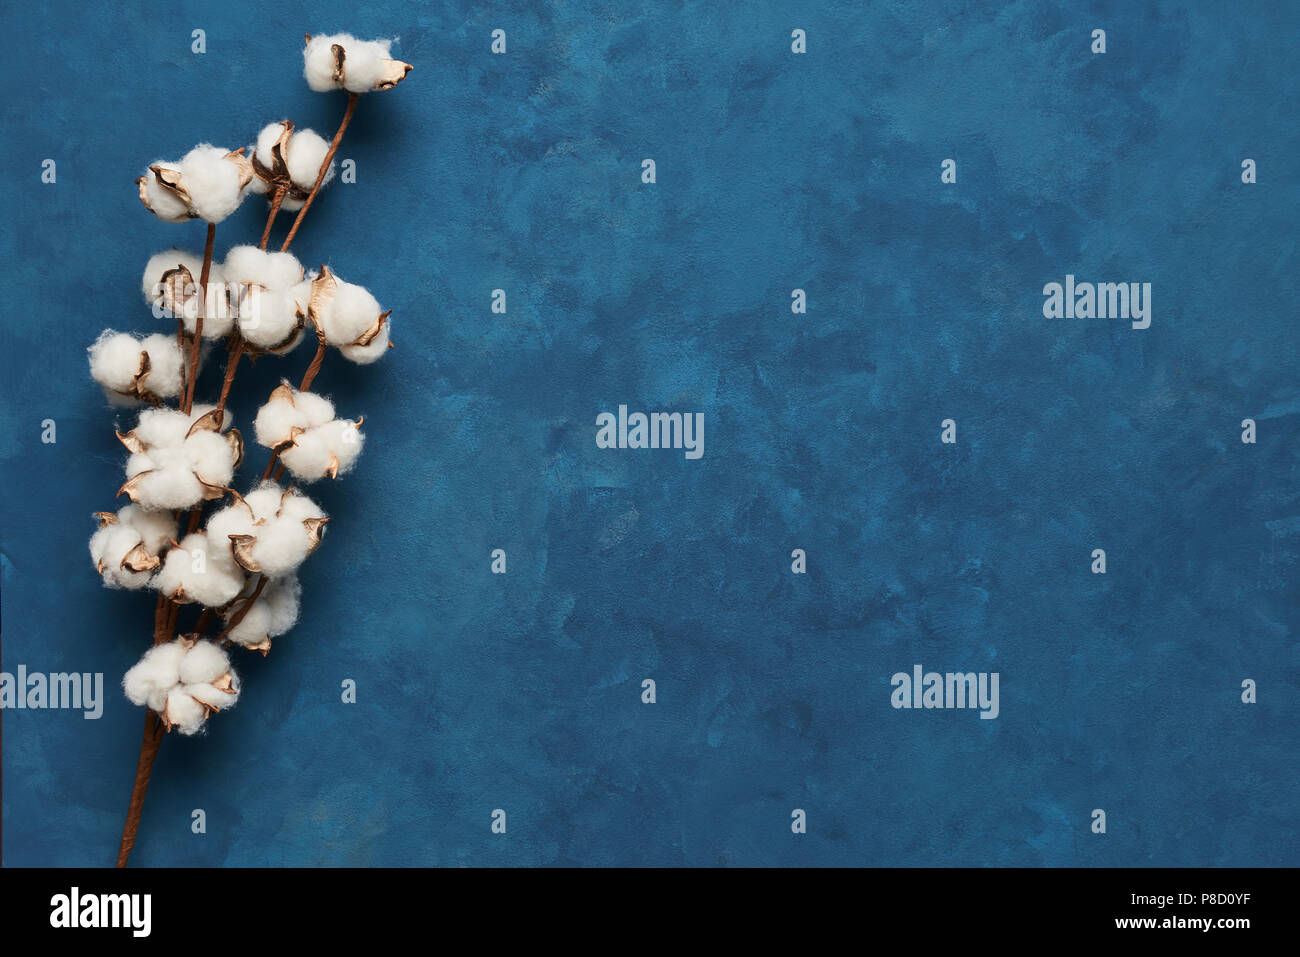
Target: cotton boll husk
(266,139)
(184,713)
(158,671)
(165,261)
(212,182)
(109,545)
(114,360)
(269,320)
(306,153)
(163,202)
(273,270)
(203,664)
(219,582)
(335,444)
(234,519)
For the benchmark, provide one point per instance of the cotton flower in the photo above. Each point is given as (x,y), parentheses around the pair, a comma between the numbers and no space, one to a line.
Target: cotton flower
(268,314)
(273,613)
(289,160)
(171,286)
(200,571)
(184,681)
(179,460)
(347,315)
(311,443)
(270,530)
(125,547)
(132,369)
(342,62)
(208,183)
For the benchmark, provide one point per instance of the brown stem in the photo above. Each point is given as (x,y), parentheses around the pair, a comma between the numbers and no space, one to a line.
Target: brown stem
(308,378)
(143,769)
(198,322)
(324,168)
(232,365)
(238,616)
(276,200)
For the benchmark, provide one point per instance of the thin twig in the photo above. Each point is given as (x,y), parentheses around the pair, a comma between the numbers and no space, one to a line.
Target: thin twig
(324,168)
(198,322)
(238,616)
(276,200)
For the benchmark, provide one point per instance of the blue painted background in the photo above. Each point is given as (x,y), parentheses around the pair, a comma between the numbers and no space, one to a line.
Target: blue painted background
(775,171)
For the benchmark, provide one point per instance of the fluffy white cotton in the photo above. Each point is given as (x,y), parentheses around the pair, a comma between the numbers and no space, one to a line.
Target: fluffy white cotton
(218,316)
(151,678)
(269,319)
(364,65)
(200,571)
(116,359)
(163,202)
(303,155)
(289,409)
(348,315)
(213,182)
(313,443)
(204,663)
(125,548)
(175,465)
(273,614)
(327,450)
(272,270)
(270,530)
(306,153)
(184,681)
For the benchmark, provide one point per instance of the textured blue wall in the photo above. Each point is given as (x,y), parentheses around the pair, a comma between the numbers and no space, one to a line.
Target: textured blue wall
(775,171)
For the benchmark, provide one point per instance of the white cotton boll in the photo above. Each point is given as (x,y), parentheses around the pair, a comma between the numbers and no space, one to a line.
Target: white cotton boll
(203,664)
(306,153)
(284,528)
(298,508)
(364,64)
(318,60)
(163,262)
(212,181)
(164,204)
(115,360)
(108,547)
(162,427)
(197,571)
(281,414)
(164,378)
(272,270)
(184,713)
(350,312)
(269,319)
(236,519)
(329,448)
(158,671)
(155,528)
